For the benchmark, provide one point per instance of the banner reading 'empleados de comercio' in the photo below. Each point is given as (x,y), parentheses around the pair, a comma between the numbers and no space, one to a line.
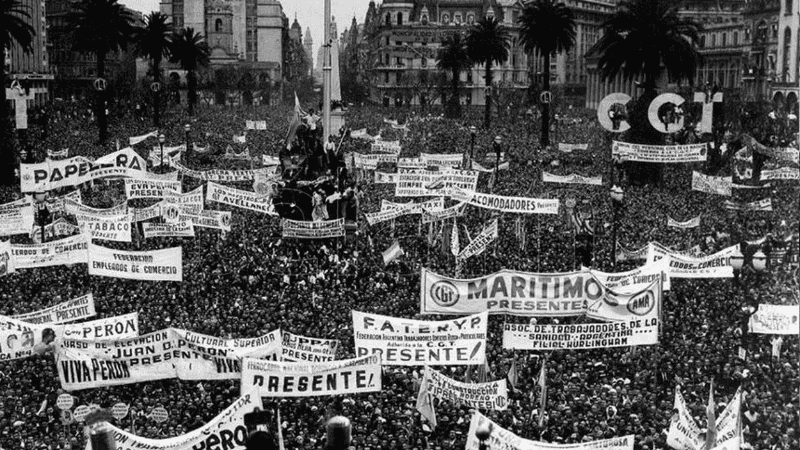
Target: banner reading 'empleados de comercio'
(302,379)
(492,395)
(76,309)
(71,250)
(153,265)
(683,266)
(407,342)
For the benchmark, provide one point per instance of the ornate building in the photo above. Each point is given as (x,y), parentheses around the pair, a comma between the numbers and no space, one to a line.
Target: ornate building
(785,88)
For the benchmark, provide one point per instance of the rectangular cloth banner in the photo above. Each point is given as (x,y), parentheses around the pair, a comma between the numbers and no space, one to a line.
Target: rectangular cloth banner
(7,265)
(407,342)
(178,229)
(218,174)
(636,279)
(691,223)
(492,395)
(775,319)
(411,163)
(421,183)
(758,205)
(481,241)
(56,230)
(522,205)
(580,336)
(79,308)
(784,173)
(240,199)
(16,217)
(117,327)
(188,203)
(133,140)
(502,439)
(436,204)
(214,358)
(58,154)
(55,174)
(392,147)
(220,220)
(432,215)
(712,185)
(302,348)
(56,205)
(623,254)
(385,178)
(371,161)
(111,228)
(146,213)
(449,160)
(659,153)
(71,250)
(684,266)
(568,148)
(150,188)
(226,431)
(303,379)
(571,179)
(153,265)
(74,208)
(312,230)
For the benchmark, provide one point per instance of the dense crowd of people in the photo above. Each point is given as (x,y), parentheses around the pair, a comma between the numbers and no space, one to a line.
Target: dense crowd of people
(250,281)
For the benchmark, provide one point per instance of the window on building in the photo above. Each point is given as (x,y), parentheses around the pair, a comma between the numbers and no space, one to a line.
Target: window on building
(724,39)
(388,19)
(445,18)
(470,19)
(457,18)
(218,25)
(469,76)
(735,38)
(788,10)
(399,18)
(424,19)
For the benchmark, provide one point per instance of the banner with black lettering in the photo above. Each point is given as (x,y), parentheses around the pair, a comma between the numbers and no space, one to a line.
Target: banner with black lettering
(572,178)
(580,336)
(392,147)
(433,215)
(684,266)
(153,265)
(691,223)
(522,205)
(214,358)
(150,188)
(775,319)
(371,161)
(421,183)
(79,308)
(75,207)
(16,217)
(54,174)
(56,230)
(407,342)
(219,220)
(111,328)
(302,348)
(685,434)
(634,280)
(783,173)
(481,241)
(106,228)
(227,431)
(71,250)
(56,204)
(218,174)
(627,151)
(303,379)
(623,254)
(448,160)
(500,438)
(322,229)
(240,199)
(436,204)
(188,203)
(492,395)
(758,205)
(146,213)
(178,229)
(712,185)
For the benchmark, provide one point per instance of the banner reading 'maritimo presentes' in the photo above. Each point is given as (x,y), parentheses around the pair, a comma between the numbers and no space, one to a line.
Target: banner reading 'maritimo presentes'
(407,342)
(153,265)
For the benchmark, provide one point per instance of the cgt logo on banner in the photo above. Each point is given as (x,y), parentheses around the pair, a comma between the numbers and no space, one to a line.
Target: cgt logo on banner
(683,266)
(153,265)
(407,342)
(500,438)
(240,199)
(712,185)
(71,250)
(659,153)
(55,174)
(16,216)
(227,431)
(302,348)
(302,379)
(775,319)
(312,230)
(492,395)
(522,205)
(117,327)
(72,310)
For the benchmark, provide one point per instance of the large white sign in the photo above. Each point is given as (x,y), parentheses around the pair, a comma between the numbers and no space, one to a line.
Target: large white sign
(117,327)
(312,230)
(659,153)
(218,175)
(16,217)
(72,310)
(240,199)
(712,185)
(213,358)
(775,319)
(691,223)
(370,162)
(220,220)
(71,250)
(522,205)
(449,160)
(302,348)
(55,174)
(153,265)
(188,203)
(106,228)
(178,229)
(492,395)
(683,266)
(420,183)
(783,173)
(407,342)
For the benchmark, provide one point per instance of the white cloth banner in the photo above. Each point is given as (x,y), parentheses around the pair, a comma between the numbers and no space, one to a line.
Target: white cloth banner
(302,348)
(226,431)
(303,379)
(146,213)
(77,208)
(481,241)
(16,217)
(436,204)
(71,250)
(659,153)
(117,327)
(433,215)
(178,229)
(218,174)
(758,205)
(580,336)
(7,263)
(634,280)
(55,230)
(420,183)
(775,319)
(56,204)
(691,223)
(240,199)
(206,357)
(371,161)
(79,308)
(392,147)
(684,266)
(167,155)
(571,179)
(106,228)
(188,203)
(684,434)
(312,230)
(220,220)
(522,205)
(492,395)
(385,178)
(150,188)
(449,160)
(133,140)
(568,148)
(784,173)
(153,265)
(407,342)
(55,174)
(712,185)
(502,439)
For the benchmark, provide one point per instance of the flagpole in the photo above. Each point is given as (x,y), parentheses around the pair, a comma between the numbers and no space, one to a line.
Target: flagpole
(326,74)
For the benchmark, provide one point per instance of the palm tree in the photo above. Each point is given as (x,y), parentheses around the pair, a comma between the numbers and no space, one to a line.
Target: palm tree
(154,41)
(546,27)
(101,27)
(192,52)
(453,57)
(488,43)
(14,20)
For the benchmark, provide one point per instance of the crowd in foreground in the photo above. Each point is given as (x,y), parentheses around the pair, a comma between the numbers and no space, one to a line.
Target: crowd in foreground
(250,281)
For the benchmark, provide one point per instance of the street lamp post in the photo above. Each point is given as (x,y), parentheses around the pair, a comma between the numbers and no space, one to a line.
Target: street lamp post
(617,195)
(187,128)
(472,131)
(161,140)
(759,261)
(482,432)
(736,261)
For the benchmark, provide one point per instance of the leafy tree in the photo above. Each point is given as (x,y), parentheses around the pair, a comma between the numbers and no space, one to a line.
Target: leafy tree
(488,42)
(454,57)
(154,41)
(191,51)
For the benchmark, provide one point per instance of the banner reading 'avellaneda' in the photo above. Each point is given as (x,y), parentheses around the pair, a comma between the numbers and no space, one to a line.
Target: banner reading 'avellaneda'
(407,342)
(72,310)
(522,205)
(302,348)
(153,265)
(303,379)
(492,395)
(659,153)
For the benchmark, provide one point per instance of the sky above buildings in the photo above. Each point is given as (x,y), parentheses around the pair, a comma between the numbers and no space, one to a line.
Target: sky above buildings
(310,14)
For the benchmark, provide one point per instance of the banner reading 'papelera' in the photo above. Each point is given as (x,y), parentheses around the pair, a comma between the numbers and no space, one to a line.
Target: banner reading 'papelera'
(153,265)
(492,395)
(312,230)
(407,342)
(302,379)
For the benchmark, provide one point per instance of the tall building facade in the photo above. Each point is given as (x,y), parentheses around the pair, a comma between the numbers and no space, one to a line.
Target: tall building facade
(308,47)
(33,68)
(785,88)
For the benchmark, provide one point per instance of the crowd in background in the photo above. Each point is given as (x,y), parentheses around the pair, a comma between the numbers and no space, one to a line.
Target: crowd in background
(250,281)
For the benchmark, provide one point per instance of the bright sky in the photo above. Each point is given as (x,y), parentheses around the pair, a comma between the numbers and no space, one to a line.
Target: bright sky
(309,13)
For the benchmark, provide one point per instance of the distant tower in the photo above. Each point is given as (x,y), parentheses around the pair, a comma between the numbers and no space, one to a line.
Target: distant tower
(308,46)
(296,32)
(334,30)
